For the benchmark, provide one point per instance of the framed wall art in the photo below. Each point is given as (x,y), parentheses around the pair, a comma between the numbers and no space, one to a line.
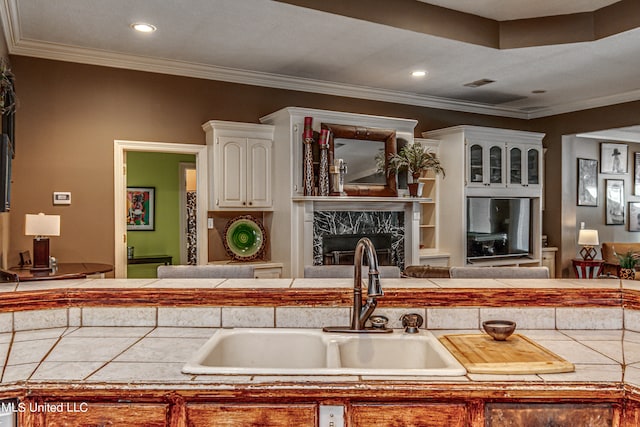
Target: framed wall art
(613,158)
(587,182)
(615,202)
(141,213)
(636,174)
(634,216)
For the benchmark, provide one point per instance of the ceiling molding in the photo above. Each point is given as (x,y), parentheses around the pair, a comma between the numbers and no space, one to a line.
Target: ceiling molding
(61,52)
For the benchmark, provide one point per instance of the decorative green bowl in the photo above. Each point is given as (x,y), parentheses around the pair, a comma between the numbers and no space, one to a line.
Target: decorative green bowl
(244,238)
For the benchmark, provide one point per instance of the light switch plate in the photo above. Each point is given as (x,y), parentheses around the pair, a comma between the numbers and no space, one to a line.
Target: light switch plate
(62,197)
(210,223)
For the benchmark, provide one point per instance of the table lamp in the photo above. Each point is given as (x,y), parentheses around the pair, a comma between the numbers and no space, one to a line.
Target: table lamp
(41,226)
(588,239)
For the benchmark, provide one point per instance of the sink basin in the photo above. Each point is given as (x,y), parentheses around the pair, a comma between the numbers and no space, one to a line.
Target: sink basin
(282,351)
(397,352)
(260,351)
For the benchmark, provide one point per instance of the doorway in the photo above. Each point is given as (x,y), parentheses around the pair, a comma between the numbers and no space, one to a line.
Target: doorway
(121,147)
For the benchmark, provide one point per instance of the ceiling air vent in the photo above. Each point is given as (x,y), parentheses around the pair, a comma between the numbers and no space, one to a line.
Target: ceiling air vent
(479,83)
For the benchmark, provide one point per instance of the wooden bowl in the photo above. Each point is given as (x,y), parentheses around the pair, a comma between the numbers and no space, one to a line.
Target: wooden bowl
(500,330)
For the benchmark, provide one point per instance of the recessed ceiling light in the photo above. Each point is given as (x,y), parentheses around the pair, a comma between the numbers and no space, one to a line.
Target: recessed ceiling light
(419,73)
(143,28)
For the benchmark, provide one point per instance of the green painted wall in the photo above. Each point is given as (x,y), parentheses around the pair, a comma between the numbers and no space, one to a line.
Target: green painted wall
(159,170)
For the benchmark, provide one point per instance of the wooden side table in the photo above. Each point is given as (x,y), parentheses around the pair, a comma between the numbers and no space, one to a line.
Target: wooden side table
(587,268)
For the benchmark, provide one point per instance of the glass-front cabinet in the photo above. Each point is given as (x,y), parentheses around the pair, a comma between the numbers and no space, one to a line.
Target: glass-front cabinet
(486,164)
(524,165)
(502,164)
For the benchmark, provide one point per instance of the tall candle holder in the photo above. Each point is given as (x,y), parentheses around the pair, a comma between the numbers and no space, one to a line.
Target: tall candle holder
(323,172)
(307,137)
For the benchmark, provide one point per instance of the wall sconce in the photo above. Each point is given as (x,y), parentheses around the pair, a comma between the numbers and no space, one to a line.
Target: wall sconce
(41,226)
(588,239)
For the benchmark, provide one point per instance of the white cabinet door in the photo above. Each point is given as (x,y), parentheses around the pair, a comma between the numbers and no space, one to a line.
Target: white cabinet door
(259,173)
(486,164)
(524,164)
(231,180)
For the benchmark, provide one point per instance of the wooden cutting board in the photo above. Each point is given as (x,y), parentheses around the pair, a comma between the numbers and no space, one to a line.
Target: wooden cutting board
(481,354)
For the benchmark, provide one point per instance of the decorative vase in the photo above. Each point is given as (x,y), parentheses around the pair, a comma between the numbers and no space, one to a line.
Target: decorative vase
(627,273)
(415,187)
(323,172)
(307,137)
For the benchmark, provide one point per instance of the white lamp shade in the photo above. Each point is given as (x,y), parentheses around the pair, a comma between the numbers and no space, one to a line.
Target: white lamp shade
(588,238)
(42,225)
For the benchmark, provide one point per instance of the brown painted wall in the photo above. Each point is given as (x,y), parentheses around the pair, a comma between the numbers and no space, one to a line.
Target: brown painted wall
(69,114)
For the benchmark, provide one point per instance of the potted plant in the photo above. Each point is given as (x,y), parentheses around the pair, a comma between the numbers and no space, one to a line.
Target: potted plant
(7,93)
(416,160)
(628,261)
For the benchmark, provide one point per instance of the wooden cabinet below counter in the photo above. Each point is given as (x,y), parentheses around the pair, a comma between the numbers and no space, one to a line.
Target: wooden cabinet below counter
(79,413)
(557,415)
(266,415)
(417,415)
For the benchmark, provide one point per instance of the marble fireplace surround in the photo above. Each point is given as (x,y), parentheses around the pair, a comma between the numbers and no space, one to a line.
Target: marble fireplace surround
(385,229)
(406,229)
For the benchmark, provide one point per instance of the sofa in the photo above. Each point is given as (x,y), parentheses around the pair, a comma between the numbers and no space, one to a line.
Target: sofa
(205,271)
(609,251)
(341,271)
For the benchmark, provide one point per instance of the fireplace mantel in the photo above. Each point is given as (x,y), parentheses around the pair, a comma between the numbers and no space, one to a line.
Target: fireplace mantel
(359,199)
(291,222)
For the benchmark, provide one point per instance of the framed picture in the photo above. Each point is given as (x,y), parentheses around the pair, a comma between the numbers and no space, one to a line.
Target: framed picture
(636,174)
(587,182)
(141,202)
(634,216)
(613,158)
(615,202)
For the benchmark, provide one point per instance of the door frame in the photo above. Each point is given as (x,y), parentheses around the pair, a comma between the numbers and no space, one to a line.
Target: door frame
(184,167)
(120,147)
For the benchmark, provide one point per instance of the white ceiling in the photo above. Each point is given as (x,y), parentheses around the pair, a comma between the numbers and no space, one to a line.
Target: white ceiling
(274,44)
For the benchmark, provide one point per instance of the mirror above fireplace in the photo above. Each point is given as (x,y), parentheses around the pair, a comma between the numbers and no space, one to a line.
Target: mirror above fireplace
(359,147)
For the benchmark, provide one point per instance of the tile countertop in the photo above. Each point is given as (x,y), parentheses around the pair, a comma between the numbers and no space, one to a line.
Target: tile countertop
(155,356)
(304,283)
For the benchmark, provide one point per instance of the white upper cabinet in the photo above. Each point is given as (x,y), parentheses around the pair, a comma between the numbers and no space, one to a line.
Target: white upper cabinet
(240,155)
(500,159)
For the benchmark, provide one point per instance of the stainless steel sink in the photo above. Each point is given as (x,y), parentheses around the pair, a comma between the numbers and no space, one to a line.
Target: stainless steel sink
(280,351)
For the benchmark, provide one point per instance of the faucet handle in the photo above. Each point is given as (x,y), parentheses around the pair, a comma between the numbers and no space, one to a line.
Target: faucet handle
(411,322)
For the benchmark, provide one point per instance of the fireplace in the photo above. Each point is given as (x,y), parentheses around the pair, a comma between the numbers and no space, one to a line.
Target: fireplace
(339,249)
(336,233)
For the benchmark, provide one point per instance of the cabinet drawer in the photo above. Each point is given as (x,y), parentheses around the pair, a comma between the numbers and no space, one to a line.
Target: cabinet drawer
(105,414)
(414,415)
(217,415)
(543,414)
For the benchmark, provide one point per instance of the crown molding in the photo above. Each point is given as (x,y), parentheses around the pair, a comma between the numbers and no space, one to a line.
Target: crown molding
(586,104)
(60,52)
(66,53)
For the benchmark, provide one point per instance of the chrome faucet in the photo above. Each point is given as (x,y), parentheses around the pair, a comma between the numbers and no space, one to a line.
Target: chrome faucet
(361,313)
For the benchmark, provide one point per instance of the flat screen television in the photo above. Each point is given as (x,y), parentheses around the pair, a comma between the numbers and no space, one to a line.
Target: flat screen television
(498,228)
